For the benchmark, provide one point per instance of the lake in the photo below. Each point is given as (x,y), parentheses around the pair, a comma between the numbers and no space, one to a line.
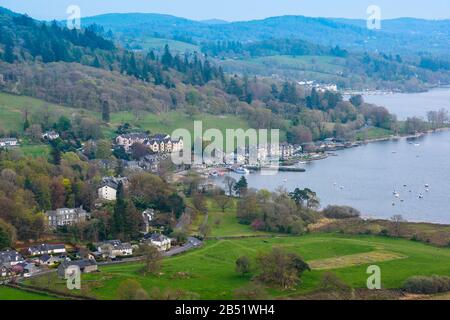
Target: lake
(412,104)
(369,175)
(366,177)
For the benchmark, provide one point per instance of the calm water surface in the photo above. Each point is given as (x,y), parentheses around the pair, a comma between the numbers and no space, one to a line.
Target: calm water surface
(413,104)
(366,177)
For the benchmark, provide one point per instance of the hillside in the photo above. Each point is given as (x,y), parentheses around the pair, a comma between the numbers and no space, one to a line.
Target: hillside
(418,35)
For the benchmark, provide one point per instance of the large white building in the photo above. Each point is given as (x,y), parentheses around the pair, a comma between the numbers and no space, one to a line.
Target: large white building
(66,217)
(158,143)
(109,186)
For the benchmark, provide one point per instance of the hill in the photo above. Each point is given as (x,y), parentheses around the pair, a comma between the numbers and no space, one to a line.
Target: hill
(402,36)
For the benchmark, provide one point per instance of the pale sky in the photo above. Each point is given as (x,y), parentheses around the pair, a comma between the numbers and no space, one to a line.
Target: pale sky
(235,10)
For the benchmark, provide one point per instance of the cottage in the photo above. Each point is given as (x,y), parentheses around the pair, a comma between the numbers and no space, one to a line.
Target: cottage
(8,142)
(50,260)
(161,242)
(50,135)
(114,248)
(109,186)
(65,217)
(10,258)
(85,265)
(46,249)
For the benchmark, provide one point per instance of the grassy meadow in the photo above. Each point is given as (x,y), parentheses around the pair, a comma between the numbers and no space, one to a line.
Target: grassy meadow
(211,269)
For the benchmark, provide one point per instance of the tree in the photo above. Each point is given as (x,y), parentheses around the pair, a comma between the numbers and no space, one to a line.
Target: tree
(222,201)
(103,149)
(199,202)
(205,229)
(241,187)
(243,265)
(118,218)
(305,195)
(105,111)
(281,268)
(55,153)
(152,259)
(229,183)
(357,100)
(7,235)
(130,289)
(397,221)
(139,150)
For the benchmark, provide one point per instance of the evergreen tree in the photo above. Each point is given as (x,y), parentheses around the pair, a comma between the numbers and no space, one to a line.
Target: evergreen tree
(118,218)
(241,186)
(105,111)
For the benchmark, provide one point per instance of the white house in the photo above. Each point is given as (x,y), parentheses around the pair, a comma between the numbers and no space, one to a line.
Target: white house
(114,248)
(8,142)
(161,242)
(50,135)
(109,186)
(66,216)
(46,249)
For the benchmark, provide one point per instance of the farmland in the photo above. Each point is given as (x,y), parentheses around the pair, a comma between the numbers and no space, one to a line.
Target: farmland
(211,273)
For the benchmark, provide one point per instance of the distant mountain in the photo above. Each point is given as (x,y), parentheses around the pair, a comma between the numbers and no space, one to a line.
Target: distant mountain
(401,36)
(214,21)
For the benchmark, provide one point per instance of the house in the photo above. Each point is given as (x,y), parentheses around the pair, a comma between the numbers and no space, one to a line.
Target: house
(161,242)
(10,258)
(148,216)
(50,135)
(114,248)
(46,249)
(8,142)
(50,260)
(163,143)
(127,140)
(85,265)
(109,186)
(66,217)
(5,271)
(29,269)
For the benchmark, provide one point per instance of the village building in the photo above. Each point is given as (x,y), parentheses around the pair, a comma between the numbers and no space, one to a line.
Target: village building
(147,216)
(85,265)
(66,217)
(127,140)
(109,186)
(8,142)
(162,143)
(50,260)
(160,241)
(10,258)
(114,248)
(50,135)
(46,249)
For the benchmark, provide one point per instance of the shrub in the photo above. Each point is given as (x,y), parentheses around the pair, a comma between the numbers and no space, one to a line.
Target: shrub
(427,285)
(341,212)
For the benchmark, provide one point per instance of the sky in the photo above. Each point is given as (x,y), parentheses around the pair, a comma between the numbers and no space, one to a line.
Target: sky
(235,10)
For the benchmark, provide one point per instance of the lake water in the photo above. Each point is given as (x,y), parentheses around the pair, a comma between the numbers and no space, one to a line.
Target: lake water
(412,104)
(369,174)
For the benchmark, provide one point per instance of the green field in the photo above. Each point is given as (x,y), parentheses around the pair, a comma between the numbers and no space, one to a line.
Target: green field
(212,275)
(7,293)
(12,108)
(168,122)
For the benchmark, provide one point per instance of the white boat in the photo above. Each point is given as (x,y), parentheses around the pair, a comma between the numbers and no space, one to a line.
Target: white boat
(241,170)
